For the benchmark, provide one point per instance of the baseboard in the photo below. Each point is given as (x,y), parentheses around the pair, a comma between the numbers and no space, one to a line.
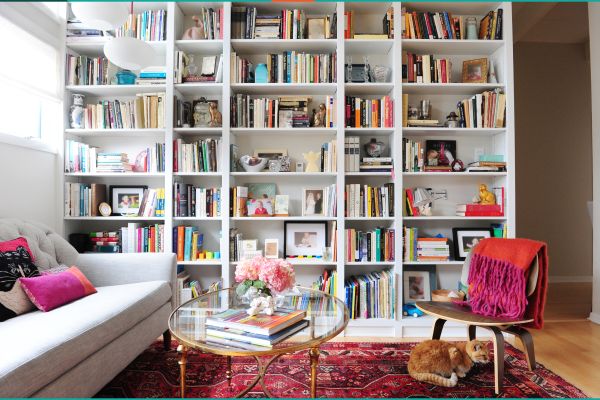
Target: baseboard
(595,317)
(570,279)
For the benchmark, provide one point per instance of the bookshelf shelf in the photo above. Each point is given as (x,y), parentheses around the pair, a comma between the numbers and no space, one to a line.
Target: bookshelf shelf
(378,219)
(358,263)
(291,218)
(199,88)
(451,47)
(200,46)
(115,90)
(198,131)
(197,218)
(197,174)
(433,263)
(115,132)
(283,131)
(449,88)
(456,174)
(284,88)
(269,46)
(453,218)
(369,88)
(95,46)
(304,262)
(461,132)
(118,174)
(213,263)
(367,174)
(287,174)
(368,46)
(116,218)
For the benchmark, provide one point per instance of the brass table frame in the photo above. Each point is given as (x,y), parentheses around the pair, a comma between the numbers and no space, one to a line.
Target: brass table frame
(312,345)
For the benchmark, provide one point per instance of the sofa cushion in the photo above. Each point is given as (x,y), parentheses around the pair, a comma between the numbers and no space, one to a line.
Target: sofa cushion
(38,347)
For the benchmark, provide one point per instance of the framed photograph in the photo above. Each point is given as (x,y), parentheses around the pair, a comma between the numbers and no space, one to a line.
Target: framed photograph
(259,207)
(270,154)
(467,238)
(316,27)
(440,152)
(416,286)
(475,71)
(126,200)
(262,191)
(249,245)
(304,239)
(271,248)
(282,203)
(312,202)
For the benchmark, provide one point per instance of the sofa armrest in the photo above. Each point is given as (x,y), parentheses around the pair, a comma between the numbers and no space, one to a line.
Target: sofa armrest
(120,269)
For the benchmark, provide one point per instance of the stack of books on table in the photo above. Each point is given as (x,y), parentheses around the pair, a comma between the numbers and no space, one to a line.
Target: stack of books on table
(236,328)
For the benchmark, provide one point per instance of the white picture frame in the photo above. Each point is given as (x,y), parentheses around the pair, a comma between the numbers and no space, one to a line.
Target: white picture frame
(312,202)
(304,239)
(416,286)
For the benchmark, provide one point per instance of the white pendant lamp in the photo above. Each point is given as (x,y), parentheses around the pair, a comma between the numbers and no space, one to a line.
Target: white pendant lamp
(104,16)
(129,52)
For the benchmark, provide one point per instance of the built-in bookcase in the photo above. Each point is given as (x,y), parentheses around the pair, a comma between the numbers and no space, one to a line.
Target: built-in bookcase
(461,187)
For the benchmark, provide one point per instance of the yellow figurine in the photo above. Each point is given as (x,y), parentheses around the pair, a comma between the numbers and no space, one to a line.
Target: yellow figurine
(311,159)
(485,196)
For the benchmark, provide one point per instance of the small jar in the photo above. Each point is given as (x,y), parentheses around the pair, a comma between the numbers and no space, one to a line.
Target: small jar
(261,74)
(472,28)
(76,112)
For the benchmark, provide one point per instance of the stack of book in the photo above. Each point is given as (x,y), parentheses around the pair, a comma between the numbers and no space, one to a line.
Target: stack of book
(424,249)
(488,163)
(84,70)
(293,112)
(413,155)
(111,163)
(369,201)
(83,199)
(484,210)
(105,242)
(329,157)
(376,245)
(425,69)
(193,201)
(150,25)
(369,113)
(372,295)
(237,329)
(136,238)
(78,157)
(485,110)
(377,164)
(200,156)
(156,75)
(352,154)
(267,26)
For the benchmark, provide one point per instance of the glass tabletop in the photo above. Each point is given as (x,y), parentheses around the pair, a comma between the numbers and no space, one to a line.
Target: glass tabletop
(327,316)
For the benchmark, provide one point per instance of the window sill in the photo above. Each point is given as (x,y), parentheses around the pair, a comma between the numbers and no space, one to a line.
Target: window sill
(33,144)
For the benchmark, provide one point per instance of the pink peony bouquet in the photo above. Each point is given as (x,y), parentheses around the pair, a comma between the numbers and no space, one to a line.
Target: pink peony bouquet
(265,275)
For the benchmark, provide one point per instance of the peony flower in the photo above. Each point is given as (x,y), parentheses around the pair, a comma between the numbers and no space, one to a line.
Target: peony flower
(277,274)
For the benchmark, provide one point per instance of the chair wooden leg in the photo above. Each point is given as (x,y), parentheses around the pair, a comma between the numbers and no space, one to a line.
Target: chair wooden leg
(472,331)
(167,340)
(498,357)
(527,342)
(437,328)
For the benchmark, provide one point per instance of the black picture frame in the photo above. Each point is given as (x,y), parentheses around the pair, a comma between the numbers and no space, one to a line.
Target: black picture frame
(111,190)
(287,225)
(458,245)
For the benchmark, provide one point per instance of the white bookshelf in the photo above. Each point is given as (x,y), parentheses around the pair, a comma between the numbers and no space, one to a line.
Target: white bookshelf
(460,186)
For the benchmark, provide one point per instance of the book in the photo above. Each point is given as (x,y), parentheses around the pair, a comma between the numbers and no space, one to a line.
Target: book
(476,210)
(367,246)
(150,25)
(256,339)
(202,155)
(485,110)
(369,201)
(369,113)
(372,295)
(258,324)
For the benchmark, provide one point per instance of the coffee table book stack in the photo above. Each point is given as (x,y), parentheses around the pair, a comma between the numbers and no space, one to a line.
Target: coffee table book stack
(377,51)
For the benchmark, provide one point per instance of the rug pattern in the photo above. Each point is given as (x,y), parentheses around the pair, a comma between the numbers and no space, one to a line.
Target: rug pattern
(345,370)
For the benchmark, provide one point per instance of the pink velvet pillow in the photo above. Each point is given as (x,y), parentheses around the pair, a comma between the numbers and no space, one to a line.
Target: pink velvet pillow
(50,291)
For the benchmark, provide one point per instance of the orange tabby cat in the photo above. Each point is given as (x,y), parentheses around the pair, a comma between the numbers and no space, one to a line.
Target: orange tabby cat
(441,363)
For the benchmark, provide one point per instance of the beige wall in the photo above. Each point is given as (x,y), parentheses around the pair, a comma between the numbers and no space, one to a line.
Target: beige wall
(553,153)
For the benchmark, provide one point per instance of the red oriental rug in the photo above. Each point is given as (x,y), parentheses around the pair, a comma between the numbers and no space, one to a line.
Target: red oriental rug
(345,370)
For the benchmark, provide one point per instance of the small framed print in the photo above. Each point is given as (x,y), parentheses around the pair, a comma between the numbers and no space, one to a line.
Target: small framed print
(126,200)
(304,239)
(271,248)
(312,202)
(282,203)
(316,28)
(259,207)
(417,286)
(475,71)
(465,239)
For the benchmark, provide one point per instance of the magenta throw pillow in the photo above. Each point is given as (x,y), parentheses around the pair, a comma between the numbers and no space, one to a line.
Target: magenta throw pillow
(50,291)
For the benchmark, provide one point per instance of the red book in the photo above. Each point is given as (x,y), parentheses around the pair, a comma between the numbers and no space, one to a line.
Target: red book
(411,201)
(180,242)
(483,210)
(221,23)
(104,239)
(443,67)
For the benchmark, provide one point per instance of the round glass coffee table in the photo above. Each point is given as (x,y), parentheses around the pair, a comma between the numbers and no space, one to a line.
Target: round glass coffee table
(327,316)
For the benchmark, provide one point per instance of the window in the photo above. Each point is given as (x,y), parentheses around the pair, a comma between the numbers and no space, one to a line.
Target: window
(29,76)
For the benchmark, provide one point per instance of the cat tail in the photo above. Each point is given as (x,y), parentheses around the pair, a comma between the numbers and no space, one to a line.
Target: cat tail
(435,379)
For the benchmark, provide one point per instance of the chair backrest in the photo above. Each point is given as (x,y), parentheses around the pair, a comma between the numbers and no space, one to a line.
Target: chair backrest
(49,249)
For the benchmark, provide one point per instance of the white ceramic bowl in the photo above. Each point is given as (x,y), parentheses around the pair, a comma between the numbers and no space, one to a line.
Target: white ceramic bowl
(253,164)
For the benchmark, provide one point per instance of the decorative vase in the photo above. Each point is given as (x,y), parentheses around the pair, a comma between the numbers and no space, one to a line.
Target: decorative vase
(125,77)
(261,74)
(472,28)
(76,112)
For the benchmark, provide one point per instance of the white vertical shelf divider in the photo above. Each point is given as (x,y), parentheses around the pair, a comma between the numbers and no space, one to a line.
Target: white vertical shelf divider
(169,123)
(226,138)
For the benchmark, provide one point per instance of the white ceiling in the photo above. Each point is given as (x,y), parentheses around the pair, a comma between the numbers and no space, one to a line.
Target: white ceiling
(550,22)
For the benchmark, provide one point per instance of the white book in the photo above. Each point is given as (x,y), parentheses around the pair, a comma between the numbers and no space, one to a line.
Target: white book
(132,228)
(124,240)
(478,100)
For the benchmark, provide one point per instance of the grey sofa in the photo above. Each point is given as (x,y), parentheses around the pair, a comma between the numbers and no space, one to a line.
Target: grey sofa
(76,349)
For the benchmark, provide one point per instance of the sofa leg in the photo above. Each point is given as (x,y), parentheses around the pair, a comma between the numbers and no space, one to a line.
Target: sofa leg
(167,340)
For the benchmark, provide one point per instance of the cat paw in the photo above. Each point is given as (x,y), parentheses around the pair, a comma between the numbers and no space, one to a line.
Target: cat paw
(454,378)
(461,374)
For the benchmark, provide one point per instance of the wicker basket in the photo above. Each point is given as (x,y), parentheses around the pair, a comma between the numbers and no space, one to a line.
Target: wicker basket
(444,295)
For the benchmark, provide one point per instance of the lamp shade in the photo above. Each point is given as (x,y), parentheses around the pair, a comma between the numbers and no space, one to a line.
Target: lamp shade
(129,53)
(103,15)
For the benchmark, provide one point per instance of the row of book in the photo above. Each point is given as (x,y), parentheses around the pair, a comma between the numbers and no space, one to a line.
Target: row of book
(369,113)
(426,249)
(327,282)
(329,157)
(329,205)
(442,25)
(188,242)
(83,158)
(368,246)
(369,201)
(150,25)
(83,199)
(282,112)
(413,155)
(136,238)
(84,70)
(372,295)
(387,26)
(146,111)
(193,201)
(246,23)
(425,68)
(485,110)
(288,67)
(351,154)
(203,155)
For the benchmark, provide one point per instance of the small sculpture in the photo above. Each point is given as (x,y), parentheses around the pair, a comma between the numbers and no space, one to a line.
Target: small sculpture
(485,197)
(216,119)
(261,304)
(374,148)
(195,32)
(320,116)
(311,159)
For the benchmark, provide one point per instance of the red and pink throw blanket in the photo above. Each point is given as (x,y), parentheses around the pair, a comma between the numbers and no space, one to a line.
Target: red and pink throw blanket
(498,276)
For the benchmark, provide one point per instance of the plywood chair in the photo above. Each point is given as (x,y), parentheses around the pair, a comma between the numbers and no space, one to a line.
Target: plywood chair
(444,311)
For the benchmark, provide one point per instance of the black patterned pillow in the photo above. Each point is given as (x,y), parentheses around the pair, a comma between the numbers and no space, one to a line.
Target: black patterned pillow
(16,262)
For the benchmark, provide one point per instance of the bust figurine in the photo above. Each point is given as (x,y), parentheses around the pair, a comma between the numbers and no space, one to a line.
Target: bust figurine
(319,116)
(485,196)
(216,119)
